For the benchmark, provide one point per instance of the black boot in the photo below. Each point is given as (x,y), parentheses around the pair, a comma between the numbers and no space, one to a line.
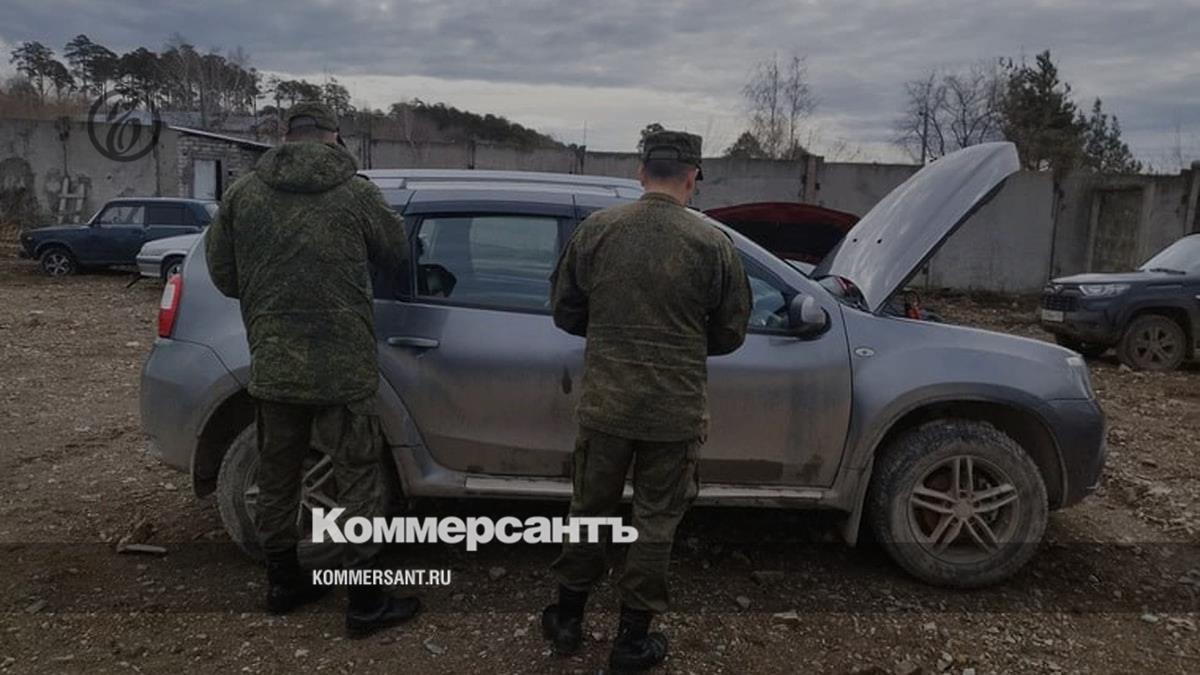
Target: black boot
(372,609)
(289,586)
(635,649)
(562,623)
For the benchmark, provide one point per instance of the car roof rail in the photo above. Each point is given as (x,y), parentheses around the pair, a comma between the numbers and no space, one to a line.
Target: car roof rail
(400,179)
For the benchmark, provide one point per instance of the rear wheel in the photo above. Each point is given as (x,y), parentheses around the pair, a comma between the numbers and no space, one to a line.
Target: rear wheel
(237,497)
(171,267)
(1153,342)
(1088,349)
(957,503)
(57,261)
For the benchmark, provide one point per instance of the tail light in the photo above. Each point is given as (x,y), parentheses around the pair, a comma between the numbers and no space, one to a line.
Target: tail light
(169,305)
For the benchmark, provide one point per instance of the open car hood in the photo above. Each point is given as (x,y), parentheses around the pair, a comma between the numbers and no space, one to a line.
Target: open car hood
(885,249)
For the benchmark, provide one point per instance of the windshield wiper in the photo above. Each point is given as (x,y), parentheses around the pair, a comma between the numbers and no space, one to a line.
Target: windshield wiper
(1164,270)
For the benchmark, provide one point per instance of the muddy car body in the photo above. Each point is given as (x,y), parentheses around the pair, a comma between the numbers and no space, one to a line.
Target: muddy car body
(953,442)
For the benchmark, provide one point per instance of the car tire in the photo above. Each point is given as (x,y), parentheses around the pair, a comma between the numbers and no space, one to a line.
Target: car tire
(1088,349)
(171,266)
(971,540)
(236,482)
(57,261)
(1153,342)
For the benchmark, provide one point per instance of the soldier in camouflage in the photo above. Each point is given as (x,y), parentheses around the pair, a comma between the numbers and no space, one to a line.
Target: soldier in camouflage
(655,290)
(292,242)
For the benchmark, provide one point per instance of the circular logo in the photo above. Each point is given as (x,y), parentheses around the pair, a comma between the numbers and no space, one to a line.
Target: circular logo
(117,130)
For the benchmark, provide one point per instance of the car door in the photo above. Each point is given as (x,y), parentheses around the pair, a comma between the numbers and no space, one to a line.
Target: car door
(779,406)
(117,234)
(165,219)
(473,351)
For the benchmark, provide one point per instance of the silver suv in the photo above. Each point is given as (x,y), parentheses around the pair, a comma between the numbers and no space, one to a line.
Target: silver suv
(952,443)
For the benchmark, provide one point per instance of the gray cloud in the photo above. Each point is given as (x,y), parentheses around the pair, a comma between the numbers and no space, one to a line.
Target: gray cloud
(1140,57)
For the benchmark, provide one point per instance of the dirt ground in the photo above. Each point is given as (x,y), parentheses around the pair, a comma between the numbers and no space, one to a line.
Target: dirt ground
(1114,589)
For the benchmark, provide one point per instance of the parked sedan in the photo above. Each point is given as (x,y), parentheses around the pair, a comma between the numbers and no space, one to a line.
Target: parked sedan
(951,444)
(161,258)
(115,234)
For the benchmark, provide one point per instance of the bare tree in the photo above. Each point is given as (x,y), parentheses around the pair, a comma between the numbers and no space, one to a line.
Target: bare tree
(778,100)
(946,111)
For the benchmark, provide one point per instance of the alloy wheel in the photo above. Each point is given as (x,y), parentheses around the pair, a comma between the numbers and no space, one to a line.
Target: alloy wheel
(1153,347)
(57,264)
(964,509)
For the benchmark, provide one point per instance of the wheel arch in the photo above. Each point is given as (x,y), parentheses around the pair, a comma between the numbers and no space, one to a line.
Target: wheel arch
(1025,426)
(40,248)
(1177,313)
(167,260)
(223,425)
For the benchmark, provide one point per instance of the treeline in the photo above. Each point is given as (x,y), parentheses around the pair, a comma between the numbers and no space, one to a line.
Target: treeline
(1026,103)
(181,78)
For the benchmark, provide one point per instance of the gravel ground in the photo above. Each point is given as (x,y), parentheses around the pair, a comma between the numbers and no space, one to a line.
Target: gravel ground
(1114,589)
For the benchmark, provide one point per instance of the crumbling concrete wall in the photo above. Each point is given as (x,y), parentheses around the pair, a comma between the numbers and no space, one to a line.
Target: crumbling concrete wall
(44,161)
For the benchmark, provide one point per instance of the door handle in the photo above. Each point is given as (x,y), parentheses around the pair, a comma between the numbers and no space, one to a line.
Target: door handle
(410,341)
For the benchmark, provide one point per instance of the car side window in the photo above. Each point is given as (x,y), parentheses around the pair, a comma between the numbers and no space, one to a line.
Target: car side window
(495,261)
(165,214)
(121,215)
(769,298)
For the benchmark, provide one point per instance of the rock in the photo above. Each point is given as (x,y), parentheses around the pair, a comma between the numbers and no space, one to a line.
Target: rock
(908,667)
(742,601)
(7,662)
(789,617)
(301,653)
(766,577)
(497,573)
(35,607)
(433,647)
(1124,368)
(146,549)
(133,343)
(929,627)
(1150,618)
(968,671)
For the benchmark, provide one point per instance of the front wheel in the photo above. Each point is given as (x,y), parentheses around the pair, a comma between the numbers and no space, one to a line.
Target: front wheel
(957,503)
(1152,342)
(57,261)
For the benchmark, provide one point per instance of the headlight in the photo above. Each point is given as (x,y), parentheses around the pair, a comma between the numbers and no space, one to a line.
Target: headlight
(1083,376)
(1102,290)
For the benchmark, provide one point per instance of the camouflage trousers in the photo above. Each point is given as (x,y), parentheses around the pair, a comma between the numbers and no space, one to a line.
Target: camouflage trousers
(665,483)
(350,435)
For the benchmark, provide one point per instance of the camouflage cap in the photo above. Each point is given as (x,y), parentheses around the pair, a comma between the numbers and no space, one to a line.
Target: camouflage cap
(311,114)
(677,145)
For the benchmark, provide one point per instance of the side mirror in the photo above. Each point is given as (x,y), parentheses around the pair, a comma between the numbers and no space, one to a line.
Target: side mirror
(805,316)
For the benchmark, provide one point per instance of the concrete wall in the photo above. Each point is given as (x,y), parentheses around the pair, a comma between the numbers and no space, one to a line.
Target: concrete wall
(1033,230)
(37,155)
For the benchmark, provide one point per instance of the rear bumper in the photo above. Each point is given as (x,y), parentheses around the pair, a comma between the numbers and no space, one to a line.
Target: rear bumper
(182,383)
(1080,432)
(149,267)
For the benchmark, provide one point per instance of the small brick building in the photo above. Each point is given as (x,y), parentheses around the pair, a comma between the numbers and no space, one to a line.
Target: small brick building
(209,162)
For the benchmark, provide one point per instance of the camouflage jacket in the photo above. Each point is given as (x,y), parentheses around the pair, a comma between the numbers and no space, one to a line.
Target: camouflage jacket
(655,289)
(292,241)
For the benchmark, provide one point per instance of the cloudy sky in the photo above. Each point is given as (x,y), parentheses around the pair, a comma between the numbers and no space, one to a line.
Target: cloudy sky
(613,66)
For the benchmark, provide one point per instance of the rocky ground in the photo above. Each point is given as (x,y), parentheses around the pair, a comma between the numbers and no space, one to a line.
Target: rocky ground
(1114,589)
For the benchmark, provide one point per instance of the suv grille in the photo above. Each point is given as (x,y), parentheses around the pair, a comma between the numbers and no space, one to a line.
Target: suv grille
(1065,303)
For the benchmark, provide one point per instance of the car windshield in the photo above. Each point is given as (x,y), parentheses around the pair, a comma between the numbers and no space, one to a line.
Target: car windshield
(1182,256)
